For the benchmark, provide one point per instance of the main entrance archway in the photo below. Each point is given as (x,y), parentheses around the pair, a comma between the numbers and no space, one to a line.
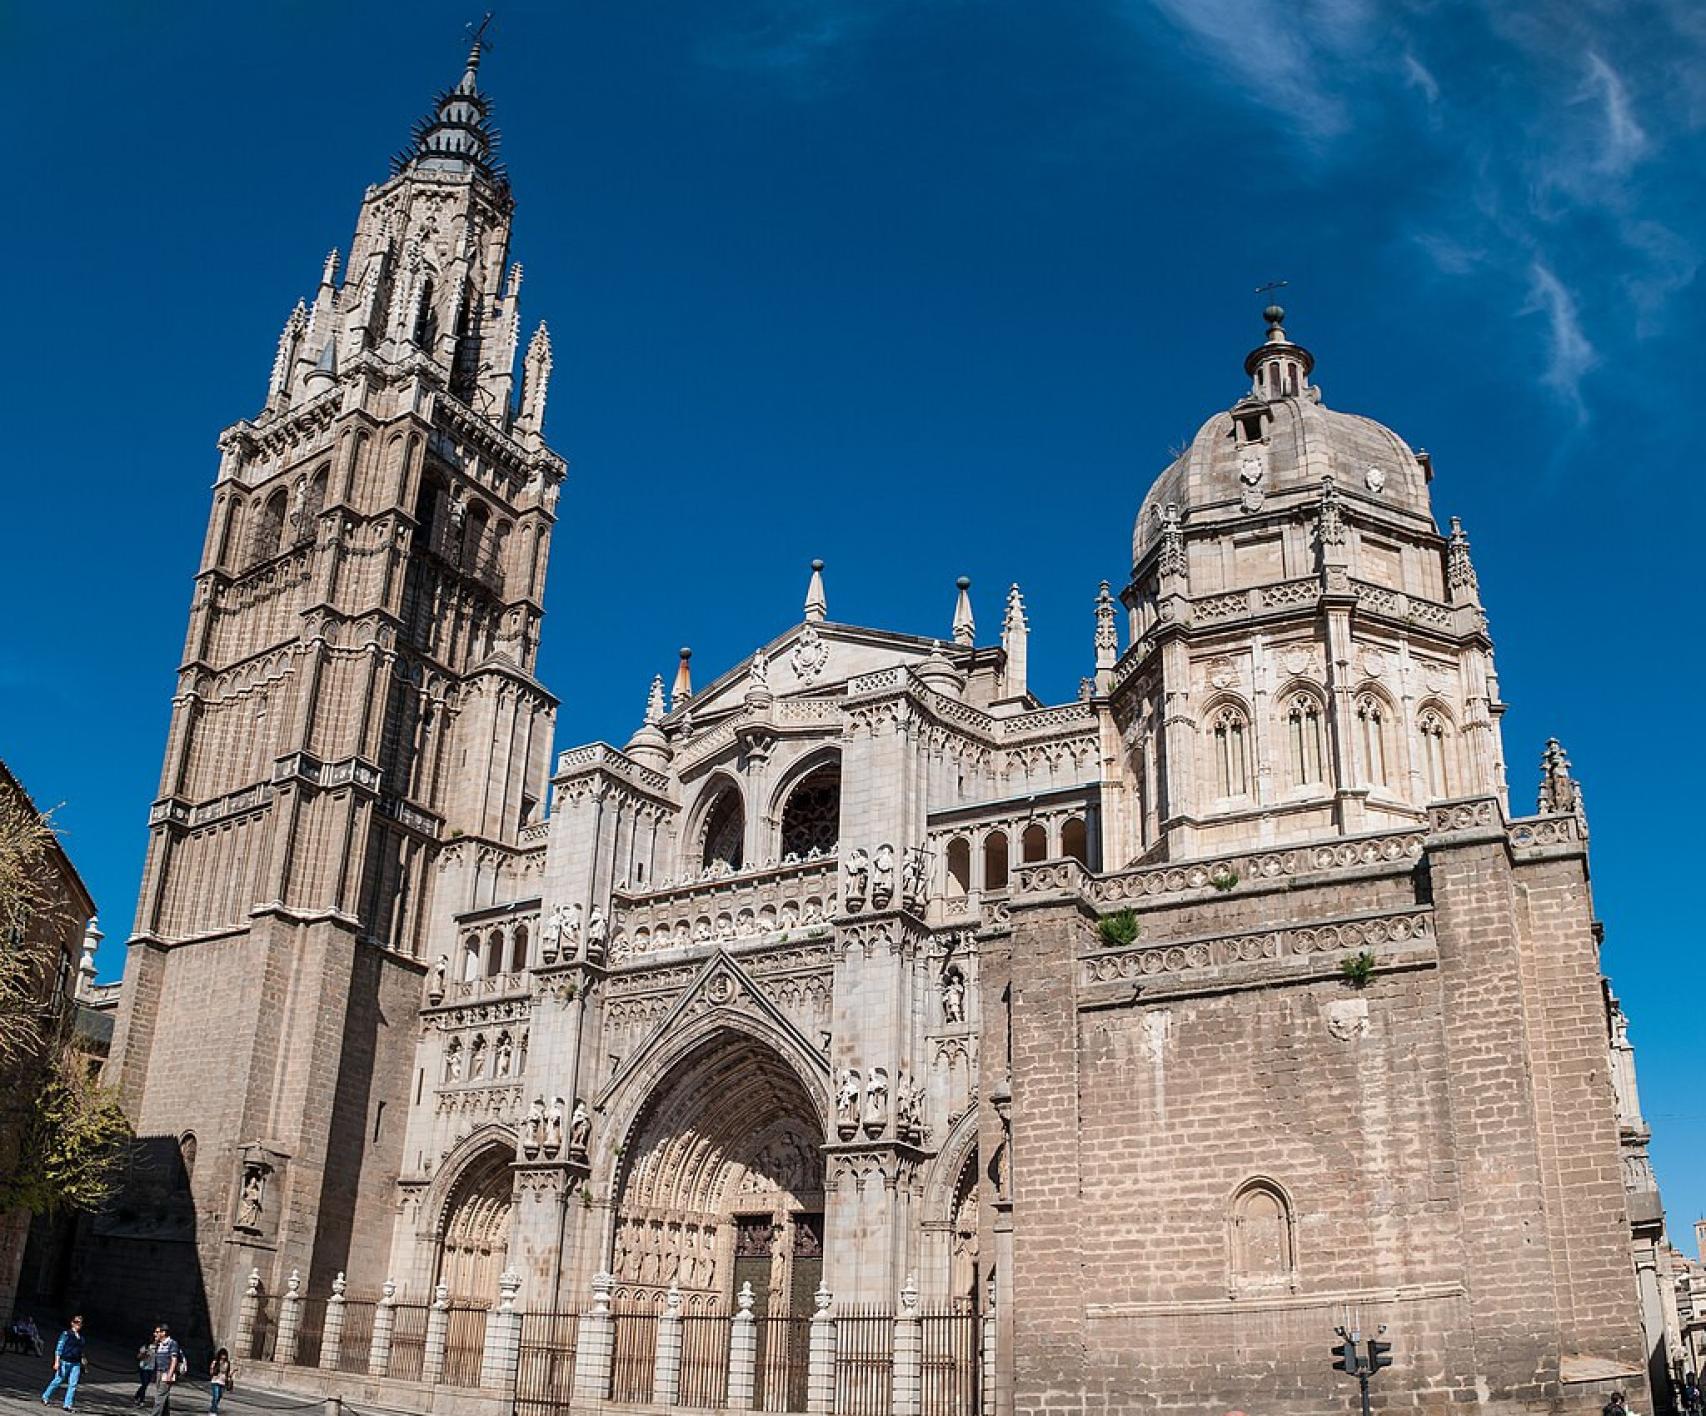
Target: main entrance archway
(475,1234)
(722,1185)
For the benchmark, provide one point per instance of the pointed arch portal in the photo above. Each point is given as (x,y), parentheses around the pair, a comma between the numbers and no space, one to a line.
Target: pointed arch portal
(474,1236)
(723,1185)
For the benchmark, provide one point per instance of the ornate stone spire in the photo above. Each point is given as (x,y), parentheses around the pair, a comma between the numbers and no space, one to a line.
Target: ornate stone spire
(458,136)
(650,745)
(965,628)
(1459,569)
(1330,524)
(1107,630)
(92,937)
(1015,641)
(683,688)
(1171,560)
(1559,791)
(817,603)
(654,700)
(535,375)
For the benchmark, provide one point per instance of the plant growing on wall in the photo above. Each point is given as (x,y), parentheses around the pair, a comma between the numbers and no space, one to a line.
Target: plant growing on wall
(1358,969)
(1224,879)
(1118,929)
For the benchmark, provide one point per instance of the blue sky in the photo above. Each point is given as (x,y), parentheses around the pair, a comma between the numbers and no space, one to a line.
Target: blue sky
(924,289)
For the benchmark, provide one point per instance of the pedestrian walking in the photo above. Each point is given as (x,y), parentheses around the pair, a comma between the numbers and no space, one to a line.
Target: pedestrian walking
(168,1367)
(67,1363)
(219,1376)
(144,1372)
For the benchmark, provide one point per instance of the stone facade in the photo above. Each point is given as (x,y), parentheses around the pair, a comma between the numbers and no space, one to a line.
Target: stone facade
(1180,1022)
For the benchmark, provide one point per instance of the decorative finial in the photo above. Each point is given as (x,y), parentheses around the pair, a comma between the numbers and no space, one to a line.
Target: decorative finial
(683,689)
(1274,314)
(1015,641)
(654,701)
(1107,631)
(817,603)
(1559,792)
(1459,569)
(965,628)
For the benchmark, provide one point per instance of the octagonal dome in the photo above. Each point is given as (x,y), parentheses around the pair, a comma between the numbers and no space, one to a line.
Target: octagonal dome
(1280,441)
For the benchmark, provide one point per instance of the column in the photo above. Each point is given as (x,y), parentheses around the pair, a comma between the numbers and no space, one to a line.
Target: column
(908,1353)
(743,1351)
(503,1336)
(666,1364)
(595,1344)
(438,1329)
(332,1337)
(820,1362)
(247,1314)
(289,1315)
(384,1324)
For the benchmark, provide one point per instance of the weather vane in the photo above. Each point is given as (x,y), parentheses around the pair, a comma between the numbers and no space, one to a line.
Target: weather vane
(1260,289)
(479,31)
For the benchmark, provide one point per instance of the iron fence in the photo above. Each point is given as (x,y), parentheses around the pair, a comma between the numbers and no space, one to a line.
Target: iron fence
(356,1344)
(864,1362)
(951,1365)
(310,1327)
(784,1351)
(464,1345)
(633,1356)
(264,1338)
(408,1341)
(545,1366)
(704,1359)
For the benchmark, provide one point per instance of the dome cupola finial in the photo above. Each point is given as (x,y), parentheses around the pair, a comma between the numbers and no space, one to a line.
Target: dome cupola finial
(1278,368)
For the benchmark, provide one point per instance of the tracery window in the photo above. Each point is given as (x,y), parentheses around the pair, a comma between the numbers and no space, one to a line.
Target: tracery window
(1436,753)
(1231,752)
(1371,739)
(725,831)
(1304,734)
(1261,1237)
(812,818)
(269,526)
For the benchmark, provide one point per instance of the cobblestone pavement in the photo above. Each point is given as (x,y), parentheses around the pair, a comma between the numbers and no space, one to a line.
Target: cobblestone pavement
(109,1383)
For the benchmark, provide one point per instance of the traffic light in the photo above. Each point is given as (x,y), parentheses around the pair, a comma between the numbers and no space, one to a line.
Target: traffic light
(1346,1357)
(1379,1354)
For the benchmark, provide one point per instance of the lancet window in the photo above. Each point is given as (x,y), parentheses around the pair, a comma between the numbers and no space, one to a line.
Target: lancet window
(1305,739)
(1436,753)
(1371,715)
(1262,1239)
(1229,737)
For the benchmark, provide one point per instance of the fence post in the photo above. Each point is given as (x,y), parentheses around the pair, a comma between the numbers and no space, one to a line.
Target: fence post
(666,1361)
(332,1335)
(743,1352)
(988,1354)
(820,1358)
(908,1353)
(503,1335)
(289,1315)
(246,1315)
(595,1343)
(438,1327)
(384,1324)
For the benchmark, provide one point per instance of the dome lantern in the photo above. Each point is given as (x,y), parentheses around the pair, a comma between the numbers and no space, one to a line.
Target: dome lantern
(1277,367)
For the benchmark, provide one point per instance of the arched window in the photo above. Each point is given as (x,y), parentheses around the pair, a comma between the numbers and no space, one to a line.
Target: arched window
(269,526)
(494,953)
(959,868)
(1371,739)
(1436,753)
(474,538)
(725,830)
(426,318)
(812,818)
(1033,844)
(186,1153)
(1075,841)
(470,958)
(518,949)
(1261,1237)
(1229,734)
(313,503)
(427,502)
(1305,739)
(995,861)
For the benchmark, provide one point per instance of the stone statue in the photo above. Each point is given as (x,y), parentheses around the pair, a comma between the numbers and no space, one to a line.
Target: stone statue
(453,1065)
(572,931)
(533,1128)
(953,995)
(913,889)
(249,1206)
(554,1128)
(877,1098)
(580,1128)
(551,937)
(758,677)
(909,1107)
(858,870)
(847,1097)
(505,1056)
(597,933)
(477,1059)
(435,980)
(882,876)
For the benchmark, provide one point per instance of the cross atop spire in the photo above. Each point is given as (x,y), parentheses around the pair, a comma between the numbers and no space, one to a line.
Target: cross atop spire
(458,137)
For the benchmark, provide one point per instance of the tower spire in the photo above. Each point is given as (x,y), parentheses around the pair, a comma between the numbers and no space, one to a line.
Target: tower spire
(457,137)
(817,603)
(965,627)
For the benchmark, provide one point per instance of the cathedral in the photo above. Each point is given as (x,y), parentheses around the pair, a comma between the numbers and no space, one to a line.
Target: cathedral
(1164,1029)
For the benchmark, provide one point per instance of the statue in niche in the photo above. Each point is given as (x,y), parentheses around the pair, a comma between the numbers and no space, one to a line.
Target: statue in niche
(572,931)
(953,995)
(533,1128)
(858,870)
(877,1100)
(505,1056)
(847,1099)
(909,1106)
(597,933)
(758,677)
(250,1202)
(554,1128)
(435,980)
(453,1063)
(477,1059)
(913,883)
(623,1261)
(882,876)
(580,1128)
(551,937)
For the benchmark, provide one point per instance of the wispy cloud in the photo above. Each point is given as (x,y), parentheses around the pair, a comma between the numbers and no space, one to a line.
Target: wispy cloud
(1570,354)
(1624,138)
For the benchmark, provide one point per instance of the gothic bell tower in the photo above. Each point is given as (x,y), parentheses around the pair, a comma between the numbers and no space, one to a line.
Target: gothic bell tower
(356,690)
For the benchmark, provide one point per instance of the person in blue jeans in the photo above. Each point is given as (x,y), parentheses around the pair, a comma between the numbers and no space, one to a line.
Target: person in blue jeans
(67,1363)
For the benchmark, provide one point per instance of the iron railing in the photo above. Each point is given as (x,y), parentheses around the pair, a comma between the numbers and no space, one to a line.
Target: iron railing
(464,1345)
(264,1338)
(951,1365)
(356,1344)
(784,1351)
(705,1360)
(864,1362)
(408,1341)
(310,1327)
(545,1365)
(633,1355)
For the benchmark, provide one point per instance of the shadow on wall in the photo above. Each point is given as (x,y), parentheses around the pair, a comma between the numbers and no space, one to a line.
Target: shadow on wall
(136,1263)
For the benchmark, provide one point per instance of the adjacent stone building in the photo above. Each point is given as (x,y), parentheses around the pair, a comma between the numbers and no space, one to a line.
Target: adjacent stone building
(1175,1024)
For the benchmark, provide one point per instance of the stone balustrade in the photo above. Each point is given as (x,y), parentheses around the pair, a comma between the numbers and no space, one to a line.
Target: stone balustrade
(788,898)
